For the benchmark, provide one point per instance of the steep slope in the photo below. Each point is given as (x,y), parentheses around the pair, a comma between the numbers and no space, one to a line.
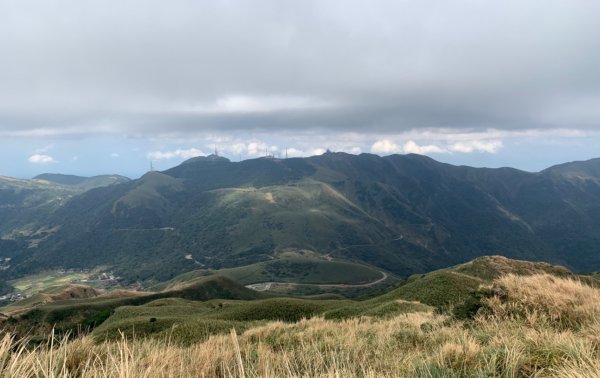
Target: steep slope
(406,214)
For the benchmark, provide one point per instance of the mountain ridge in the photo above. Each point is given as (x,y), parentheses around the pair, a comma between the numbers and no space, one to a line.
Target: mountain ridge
(407,213)
(82,181)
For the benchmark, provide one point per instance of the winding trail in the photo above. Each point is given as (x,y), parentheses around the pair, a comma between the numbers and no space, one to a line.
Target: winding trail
(264,286)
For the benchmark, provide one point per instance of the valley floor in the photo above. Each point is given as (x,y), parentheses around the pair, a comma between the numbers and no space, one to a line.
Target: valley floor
(539,325)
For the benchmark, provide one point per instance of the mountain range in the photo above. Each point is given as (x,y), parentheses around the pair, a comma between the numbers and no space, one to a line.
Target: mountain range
(404,214)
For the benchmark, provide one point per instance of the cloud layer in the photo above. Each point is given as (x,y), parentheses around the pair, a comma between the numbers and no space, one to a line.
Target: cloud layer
(180,78)
(147,67)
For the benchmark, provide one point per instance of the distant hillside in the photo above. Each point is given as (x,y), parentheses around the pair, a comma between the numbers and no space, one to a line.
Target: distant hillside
(26,206)
(589,170)
(58,178)
(404,213)
(84,183)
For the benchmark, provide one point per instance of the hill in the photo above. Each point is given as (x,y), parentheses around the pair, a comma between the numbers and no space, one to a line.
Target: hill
(72,309)
(27,208)
(299,273)
(84,183)
(535,325)
(30,203)
(406,214)
(216,303)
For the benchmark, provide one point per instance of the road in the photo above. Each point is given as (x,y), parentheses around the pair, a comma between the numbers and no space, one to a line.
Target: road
(264,286)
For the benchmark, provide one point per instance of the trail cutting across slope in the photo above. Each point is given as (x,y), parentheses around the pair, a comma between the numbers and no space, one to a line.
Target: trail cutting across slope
(265,286)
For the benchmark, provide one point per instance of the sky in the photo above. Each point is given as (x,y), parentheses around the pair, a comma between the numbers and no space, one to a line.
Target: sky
(112,86)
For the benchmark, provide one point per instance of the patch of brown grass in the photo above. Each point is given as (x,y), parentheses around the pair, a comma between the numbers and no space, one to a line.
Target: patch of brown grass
(546,300)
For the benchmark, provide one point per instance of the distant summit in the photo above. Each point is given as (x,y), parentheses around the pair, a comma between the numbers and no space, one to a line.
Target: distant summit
(212,158)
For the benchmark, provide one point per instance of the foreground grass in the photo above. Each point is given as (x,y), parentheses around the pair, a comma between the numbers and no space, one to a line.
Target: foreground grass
(535,326)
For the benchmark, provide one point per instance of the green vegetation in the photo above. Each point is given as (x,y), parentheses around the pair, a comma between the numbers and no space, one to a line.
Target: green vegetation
(6,288)
(27,205)
(302,267)
(396,213)
(538,325)
(158,318)
(302,270)
(72,314)
(171,313)
(458,288)
(216,301)
(79,182)
(47,281)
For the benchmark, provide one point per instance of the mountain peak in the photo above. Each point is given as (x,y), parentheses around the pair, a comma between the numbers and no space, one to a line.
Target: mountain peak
(212,158)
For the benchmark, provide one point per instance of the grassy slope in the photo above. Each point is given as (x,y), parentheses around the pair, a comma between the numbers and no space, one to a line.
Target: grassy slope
(453,285)
(457,286)
(308,215)
(544,326)
(164,318)
(217,228)
(74,315)
(217,303)
(295,267)
(306,271)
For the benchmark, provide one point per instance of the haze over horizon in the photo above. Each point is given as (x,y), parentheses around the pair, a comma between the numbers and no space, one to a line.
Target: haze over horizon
(107,87)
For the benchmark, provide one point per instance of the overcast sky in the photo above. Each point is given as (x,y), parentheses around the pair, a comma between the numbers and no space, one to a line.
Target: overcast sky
(89,87)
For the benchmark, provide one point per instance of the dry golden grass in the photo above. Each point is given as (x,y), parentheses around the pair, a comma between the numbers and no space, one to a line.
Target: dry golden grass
(560,302)
(545,327)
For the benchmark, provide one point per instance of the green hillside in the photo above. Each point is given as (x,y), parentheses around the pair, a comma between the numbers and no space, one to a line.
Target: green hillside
(458,286)
(59,309)
(80,182)
(405,214)
(302,267)
(190,312)
(27,207)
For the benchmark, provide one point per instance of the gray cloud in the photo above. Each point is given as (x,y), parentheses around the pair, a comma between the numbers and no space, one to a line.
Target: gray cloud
(145,67)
